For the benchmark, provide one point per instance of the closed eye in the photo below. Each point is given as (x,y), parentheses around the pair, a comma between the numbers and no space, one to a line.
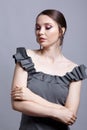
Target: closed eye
(48,27)
(37,27)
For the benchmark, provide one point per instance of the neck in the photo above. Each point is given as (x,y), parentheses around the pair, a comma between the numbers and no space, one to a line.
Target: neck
(52,53)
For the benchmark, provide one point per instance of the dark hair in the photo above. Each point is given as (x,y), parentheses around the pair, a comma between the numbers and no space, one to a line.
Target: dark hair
(59,18)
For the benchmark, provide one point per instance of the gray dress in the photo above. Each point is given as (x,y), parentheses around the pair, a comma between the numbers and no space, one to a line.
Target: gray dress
(51,87)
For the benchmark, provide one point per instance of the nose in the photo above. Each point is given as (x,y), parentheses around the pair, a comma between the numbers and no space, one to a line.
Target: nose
(41,31)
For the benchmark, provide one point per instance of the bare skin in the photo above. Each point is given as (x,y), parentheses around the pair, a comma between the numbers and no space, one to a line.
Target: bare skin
(49,60)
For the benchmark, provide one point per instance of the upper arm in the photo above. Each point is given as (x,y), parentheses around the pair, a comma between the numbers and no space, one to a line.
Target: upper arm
(20,77)
(73,98)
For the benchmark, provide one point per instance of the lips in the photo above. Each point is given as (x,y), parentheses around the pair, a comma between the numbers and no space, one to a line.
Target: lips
(42,39)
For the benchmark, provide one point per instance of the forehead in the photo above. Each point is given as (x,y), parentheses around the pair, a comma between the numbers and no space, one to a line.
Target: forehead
(44,19)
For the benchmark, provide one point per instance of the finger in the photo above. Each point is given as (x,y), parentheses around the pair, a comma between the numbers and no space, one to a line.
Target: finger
(17,90)
(75,116)
(16,97)
(72,121)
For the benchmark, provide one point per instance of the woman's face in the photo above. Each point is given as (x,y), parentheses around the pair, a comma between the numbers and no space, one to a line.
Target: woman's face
(47,31)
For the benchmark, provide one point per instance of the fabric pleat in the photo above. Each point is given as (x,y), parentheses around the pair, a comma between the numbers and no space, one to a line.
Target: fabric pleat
(78,72)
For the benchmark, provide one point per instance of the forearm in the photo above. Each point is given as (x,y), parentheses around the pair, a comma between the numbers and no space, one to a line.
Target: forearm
(34,105)
(70,105)
(27,95)
(31,108)
(40,100)
(34,109)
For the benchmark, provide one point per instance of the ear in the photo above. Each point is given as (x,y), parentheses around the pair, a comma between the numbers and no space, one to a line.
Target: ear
(63,30)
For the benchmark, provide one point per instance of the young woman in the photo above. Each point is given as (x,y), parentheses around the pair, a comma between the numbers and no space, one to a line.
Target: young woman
(46,85)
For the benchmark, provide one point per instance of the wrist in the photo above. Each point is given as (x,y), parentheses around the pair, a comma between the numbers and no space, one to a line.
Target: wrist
(53,112)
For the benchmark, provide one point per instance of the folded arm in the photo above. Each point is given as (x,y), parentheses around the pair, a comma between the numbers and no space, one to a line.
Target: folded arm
(24,100)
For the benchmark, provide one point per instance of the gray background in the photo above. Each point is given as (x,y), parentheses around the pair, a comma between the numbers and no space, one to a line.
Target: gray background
(17,19)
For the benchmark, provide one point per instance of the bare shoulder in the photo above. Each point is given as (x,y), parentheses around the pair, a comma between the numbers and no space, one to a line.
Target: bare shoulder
(31,52)
(70,64)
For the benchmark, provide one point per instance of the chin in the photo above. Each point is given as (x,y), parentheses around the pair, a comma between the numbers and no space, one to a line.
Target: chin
(43,44)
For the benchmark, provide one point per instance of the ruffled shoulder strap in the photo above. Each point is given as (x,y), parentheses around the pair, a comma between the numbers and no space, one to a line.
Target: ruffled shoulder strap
(24,60)
(78,73)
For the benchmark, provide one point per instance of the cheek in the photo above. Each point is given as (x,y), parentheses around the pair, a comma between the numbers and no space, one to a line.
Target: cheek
(53,35)
(54,32)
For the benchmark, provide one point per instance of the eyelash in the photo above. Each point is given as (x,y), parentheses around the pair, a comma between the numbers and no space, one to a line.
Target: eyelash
(47,28)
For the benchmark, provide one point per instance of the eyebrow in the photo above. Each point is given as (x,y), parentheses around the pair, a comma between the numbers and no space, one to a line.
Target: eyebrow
(44,23)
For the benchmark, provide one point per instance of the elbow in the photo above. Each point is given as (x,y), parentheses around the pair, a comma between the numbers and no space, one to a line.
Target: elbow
(73,110)
(15,105)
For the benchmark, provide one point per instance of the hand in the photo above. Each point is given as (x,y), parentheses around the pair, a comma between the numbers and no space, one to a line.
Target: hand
(66,116)
(20,93)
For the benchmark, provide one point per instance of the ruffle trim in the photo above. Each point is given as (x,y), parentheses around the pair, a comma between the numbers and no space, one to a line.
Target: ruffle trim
(25,61)
(78,73)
